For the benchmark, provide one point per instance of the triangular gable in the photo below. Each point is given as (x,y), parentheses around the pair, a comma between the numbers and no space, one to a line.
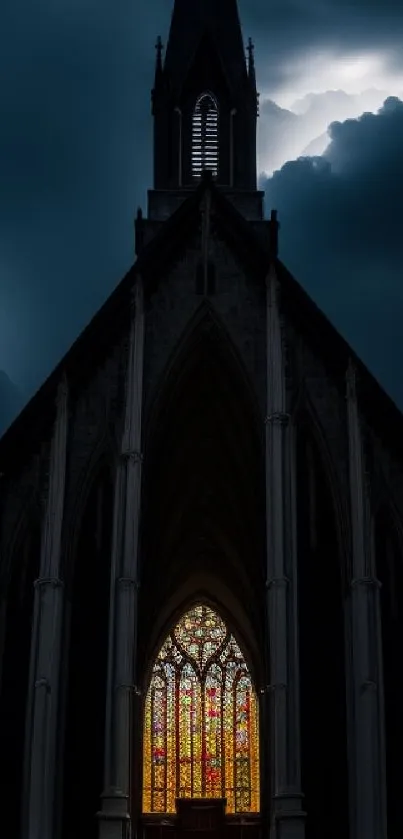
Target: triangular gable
(171,239)
(109,323)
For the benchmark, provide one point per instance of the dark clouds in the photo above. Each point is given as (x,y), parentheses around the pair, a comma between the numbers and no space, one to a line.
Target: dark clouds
(74,163)
(290,31)
(285,135)
(75,153)
(341,219)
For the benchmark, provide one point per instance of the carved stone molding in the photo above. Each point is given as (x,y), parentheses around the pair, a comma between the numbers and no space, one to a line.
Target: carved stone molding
(369,685)
(135,457)
(128,582)
(134,689)
(51,582)
(365,581)
(278,582)
(43,683)
(278,418)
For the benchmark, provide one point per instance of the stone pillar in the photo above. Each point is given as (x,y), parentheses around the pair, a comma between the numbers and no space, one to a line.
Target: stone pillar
(369,769)
(114,816)
(42,711)
(287,820)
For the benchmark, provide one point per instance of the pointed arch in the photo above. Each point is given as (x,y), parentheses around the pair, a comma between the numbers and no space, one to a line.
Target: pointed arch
(203,441)
(98,468)
(207,588)
(203,524)
(205,138)
(307,421)
(200,723)
(29,516)
(205,330)
(16,610)
(322,581)
(389,570)
(86,652)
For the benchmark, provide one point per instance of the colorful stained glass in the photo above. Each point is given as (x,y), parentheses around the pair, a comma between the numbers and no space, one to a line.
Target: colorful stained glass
(201,737)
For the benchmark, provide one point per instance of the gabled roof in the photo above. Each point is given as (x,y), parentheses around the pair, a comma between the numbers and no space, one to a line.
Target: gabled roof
(33,424)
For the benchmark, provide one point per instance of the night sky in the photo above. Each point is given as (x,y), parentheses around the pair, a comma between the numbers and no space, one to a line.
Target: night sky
(75,162)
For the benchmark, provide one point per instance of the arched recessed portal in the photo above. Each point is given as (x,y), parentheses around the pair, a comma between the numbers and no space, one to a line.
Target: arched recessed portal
(324,764)
(25,565)
(389,568)
(201,732)
(86,638)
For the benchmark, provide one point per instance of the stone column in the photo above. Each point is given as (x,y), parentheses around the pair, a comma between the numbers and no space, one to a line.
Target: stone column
(369,770)
(114,817)
(287,815)
(42,711)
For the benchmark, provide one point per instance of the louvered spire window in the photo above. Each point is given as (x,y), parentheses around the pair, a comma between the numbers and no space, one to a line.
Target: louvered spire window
(205,135)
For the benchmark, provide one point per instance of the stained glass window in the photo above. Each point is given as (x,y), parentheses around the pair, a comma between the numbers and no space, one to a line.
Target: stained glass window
(201,737)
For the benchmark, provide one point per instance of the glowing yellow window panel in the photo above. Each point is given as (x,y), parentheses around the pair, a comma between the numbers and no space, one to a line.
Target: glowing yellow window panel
(201,731)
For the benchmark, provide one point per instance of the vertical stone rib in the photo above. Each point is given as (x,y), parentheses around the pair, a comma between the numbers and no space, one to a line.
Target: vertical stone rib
(364,596)
(46,645)
(281,561)
(116,552)
(123,617)
(54,509)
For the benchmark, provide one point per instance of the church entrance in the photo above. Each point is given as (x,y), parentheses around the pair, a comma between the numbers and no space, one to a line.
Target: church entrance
(200,734)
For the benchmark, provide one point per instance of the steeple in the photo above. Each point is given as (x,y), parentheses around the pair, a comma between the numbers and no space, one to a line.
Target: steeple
(204,99)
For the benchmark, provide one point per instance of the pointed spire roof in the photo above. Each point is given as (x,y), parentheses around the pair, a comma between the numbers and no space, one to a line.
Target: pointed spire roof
(251,62)
(191,21)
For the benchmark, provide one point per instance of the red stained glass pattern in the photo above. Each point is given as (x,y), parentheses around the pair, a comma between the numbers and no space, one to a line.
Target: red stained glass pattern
(201,735)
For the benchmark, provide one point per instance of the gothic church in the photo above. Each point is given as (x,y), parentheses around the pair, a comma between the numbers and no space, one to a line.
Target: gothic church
(201,593)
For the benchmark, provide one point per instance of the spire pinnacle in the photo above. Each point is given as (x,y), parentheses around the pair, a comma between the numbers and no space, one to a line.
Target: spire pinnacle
(252,71)
(159,47)
(191,20)
(251,61)
(158,71)
(158,61)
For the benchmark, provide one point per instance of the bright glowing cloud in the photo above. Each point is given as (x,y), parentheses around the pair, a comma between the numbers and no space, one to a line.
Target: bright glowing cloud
(320,70)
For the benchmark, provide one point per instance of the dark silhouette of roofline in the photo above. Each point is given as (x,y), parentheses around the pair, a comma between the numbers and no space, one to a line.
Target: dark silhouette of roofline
(31,427)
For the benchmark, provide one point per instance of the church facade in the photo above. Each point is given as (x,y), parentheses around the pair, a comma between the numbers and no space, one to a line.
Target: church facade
(201,586)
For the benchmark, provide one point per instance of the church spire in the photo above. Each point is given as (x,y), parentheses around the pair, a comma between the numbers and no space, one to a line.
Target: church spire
(190,22)
(158,76)
(251,63)
(158,62)
(204,99)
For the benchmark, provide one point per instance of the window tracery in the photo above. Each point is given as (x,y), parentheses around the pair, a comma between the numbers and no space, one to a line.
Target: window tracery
(205,135)
(201,734)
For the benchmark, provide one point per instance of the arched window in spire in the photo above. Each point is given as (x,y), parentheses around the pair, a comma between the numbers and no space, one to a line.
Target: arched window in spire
(205,135)
(201,737)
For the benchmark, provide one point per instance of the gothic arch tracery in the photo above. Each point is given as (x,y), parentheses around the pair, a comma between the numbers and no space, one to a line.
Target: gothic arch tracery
(86,626)
(307,422)
(15,651)
(203,437)
(389,570)
(205,139)
(201,729)
(203,491)
(322,586)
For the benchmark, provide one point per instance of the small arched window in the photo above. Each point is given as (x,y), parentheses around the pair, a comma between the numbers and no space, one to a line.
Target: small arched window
(205,135)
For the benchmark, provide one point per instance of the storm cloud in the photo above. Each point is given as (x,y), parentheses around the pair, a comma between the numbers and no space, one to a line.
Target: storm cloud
(341,219)
(75,162)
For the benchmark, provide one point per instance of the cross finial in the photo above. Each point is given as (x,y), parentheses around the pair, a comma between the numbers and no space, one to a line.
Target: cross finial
(158,68)
(159,47)
(251,50)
